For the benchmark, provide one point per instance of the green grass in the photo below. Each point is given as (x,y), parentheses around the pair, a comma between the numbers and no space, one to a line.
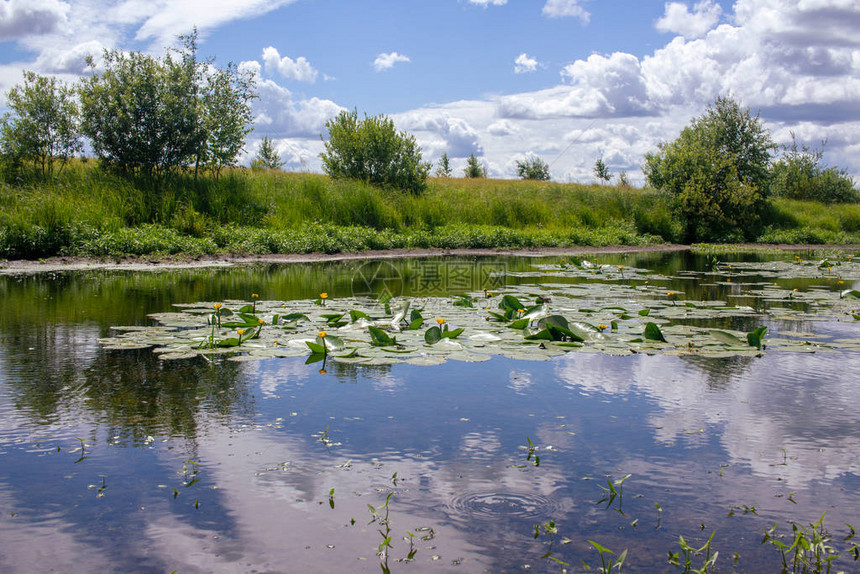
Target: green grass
(87,212)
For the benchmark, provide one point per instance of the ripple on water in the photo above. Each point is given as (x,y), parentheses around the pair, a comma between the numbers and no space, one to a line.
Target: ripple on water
(496,505)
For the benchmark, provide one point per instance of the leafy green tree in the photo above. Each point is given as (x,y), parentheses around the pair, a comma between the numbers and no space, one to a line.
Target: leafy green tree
(226,116)
(798,174)
(267,156)
(372,150)
(601,171)
(623,180)
(43,126)
(153,115)
(473,168)
(717,172)
(533,168)
(444,168)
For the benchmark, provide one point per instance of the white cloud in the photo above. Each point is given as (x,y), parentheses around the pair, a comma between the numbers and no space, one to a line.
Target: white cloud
(678,18)
(452,134)
(278,115)
(486,3)
(71,61)
(386,61)
(299,69)
(524,64)
(20,18)
(163,20)
(564,8)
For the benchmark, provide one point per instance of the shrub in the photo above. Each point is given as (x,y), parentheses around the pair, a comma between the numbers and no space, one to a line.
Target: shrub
(372,150)
(717,172)
(798,174)
(533,168)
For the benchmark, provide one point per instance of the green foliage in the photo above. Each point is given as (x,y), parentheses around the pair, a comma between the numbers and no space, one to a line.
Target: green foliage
(798,174)
(372,150)
(444,169)
(533,168)
(226,116)
(717,172)
(43,126)
(267,156)
(601,171)
(474,169)
(152,115)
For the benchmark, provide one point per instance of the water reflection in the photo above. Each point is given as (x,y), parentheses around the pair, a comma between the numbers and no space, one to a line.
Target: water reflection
(229,467)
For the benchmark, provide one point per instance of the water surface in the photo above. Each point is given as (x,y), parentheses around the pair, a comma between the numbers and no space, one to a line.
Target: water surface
(119,461)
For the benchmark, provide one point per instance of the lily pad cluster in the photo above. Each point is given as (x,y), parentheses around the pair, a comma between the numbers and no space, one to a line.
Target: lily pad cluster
(619,310)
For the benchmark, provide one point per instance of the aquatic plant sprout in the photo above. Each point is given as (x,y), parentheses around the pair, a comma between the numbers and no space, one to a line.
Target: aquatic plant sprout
(569,310)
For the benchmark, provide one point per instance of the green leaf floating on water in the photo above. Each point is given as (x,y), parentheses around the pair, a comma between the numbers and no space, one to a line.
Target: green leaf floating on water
(755,337)
(727,338)
(653,333)
(553,328)
(435,334)
(563,308)
(379,338)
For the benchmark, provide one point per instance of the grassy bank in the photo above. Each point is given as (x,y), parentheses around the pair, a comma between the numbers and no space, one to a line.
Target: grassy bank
(86,212)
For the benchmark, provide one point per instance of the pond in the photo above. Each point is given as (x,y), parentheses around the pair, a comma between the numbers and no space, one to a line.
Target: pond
(490,453)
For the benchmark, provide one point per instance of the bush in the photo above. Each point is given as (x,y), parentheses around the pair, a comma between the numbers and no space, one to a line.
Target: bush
(717,172)
(533,168)
(372,150)
(798,174)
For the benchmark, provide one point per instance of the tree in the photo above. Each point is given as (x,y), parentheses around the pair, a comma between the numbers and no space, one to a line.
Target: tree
(444,169)
(152,115)
(43,125)
(473,168)
(372,150)
(601,171)
(533,168)
(717,172)
(267,156)
(798,174)
(623,180)
(226,116)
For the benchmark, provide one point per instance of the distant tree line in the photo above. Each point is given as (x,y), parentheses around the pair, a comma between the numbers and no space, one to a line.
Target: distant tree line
(153,116)
(142,115)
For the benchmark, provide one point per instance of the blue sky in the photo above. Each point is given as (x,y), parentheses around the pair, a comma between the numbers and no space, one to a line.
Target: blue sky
(567,80)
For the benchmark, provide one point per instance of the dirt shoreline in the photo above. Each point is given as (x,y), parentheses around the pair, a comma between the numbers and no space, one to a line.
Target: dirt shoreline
(153,263)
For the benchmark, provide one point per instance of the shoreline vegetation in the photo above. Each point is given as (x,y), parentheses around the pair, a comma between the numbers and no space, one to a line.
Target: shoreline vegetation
(88,212)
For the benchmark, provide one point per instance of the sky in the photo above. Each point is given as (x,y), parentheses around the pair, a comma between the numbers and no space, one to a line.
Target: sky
(568,81)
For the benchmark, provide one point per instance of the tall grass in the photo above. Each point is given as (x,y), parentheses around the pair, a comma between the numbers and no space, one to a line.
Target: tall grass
(86,211)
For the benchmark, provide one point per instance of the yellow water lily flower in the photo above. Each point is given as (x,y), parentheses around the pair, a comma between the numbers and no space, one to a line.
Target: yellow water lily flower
(323,295)
(240,331)
(440,320)
(322,334)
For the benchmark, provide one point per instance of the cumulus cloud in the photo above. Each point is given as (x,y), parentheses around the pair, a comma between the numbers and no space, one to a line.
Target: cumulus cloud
(299,69)
(19,18)
(385,61)
(524,64)
(454,135)
(678,19)
(565,8)
(71,61)
(279,115)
